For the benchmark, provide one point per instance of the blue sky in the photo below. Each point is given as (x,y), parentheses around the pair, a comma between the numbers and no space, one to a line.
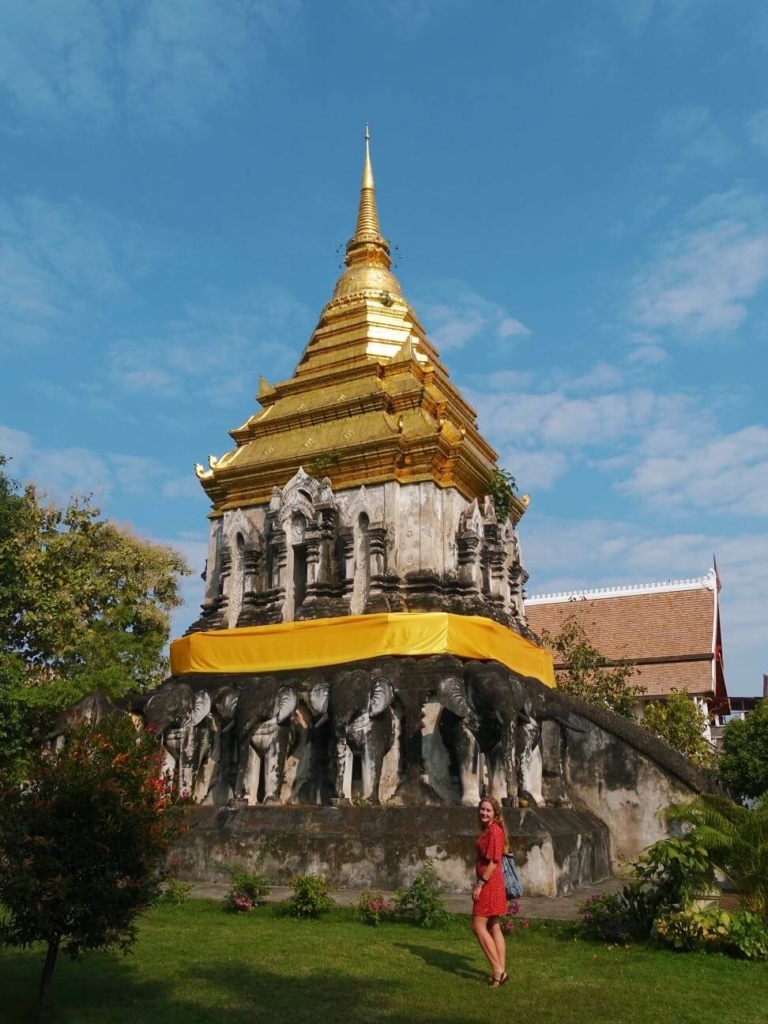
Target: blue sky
(579,193)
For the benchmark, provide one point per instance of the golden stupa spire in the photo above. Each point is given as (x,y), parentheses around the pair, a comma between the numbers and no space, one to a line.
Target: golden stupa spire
(367,254)
(367,244)
(367,216)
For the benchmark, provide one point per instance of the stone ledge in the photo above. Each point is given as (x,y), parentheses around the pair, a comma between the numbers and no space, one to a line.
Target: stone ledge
(556,849)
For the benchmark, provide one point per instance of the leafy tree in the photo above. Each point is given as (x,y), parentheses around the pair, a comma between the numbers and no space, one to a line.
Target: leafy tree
(587,674)
(82,842)
(680,721)
(736,839)
(743,762)
(84,605)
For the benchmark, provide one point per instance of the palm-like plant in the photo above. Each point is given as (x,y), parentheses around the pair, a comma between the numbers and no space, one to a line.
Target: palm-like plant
(736,839)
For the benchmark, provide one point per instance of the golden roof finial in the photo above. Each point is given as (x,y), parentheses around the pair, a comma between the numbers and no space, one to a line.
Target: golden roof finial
(367,256)
(367,228)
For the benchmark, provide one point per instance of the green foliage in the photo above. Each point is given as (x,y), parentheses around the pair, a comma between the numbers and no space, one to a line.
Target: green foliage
(320,466)
(676,870)
(310,897)
(422,903)
(372,908)
(247,890)
(83,841)
(84,606)
(668,875)
(743,762)
(175,892)
(736,841)
(740,934)
(588,675)
(501,488)
(680,721)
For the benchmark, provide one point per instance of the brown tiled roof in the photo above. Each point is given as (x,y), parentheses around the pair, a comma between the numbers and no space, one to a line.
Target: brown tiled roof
(672,629)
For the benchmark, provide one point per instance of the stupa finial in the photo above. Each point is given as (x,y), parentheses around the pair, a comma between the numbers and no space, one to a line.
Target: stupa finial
(367,254)
(367,228)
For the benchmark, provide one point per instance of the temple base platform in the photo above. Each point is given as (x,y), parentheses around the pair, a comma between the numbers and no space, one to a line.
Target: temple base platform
(557,850)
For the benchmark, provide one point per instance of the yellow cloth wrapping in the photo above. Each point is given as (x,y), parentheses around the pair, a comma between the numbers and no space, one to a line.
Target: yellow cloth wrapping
(316,642)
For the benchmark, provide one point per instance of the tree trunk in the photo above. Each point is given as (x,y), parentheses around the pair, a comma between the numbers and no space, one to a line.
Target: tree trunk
(45,981)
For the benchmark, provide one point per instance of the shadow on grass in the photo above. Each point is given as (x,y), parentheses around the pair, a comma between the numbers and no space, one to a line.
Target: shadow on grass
(107,990)
(452,963)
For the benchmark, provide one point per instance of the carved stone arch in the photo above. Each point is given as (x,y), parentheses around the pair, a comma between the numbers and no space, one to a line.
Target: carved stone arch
(472,519)
(237,523)
(296,503)
(360,504)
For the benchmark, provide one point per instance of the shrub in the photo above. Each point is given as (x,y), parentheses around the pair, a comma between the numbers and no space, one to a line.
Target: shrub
(310,897)
(736,840)
(747,936)
(673,871)
(508,923)
(247,891)
(741,934)
(603,917)
(82,844)
(422,902)
(373,908)
(175,892)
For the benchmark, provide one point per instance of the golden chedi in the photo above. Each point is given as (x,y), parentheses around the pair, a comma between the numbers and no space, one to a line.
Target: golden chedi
(360,485)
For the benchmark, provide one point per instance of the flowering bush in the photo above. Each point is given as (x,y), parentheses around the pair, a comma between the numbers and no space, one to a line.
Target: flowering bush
(373,908)
(247,891)
(508,923)
(603,916)
(422,902)
(310,897)
(83,843)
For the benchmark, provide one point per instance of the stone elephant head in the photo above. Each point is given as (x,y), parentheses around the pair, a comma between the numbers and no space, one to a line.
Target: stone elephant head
(358,703)
(264,707)
(502,712)
(89,709)
(174,712)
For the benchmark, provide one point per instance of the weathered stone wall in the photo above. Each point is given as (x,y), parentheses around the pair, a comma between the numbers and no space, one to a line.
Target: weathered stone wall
(556,850)
(625,775)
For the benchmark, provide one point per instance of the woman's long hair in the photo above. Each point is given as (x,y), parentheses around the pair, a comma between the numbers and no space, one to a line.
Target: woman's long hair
(497,817)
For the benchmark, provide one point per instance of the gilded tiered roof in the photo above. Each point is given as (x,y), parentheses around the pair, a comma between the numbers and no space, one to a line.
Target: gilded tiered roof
(370,400)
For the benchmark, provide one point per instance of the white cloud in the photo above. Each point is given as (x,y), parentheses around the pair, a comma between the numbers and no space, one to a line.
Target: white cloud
(696,137)
(64,471)
(567,554)
(174,61)
(215,350)
(726,472)
(59,261)
(702,278)
(534,470)
(454,315)
(14,444)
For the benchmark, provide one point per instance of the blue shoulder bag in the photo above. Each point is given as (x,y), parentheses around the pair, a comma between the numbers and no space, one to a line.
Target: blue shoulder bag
(512,883)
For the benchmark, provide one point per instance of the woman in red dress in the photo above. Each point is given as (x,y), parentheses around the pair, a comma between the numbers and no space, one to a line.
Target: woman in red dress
(489,895)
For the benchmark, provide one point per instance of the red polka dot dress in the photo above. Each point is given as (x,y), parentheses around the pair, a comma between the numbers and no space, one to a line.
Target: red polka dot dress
(492,901)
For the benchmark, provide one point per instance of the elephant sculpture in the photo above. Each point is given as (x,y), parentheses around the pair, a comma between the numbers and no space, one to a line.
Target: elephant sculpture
(359,705)
(174,712)
(497,712)
(264,707)
(88,710)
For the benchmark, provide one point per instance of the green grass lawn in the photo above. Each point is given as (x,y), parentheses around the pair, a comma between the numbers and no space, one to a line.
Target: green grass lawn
(196,963)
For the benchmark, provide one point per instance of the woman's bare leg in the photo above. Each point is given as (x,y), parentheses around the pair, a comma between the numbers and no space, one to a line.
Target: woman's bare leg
(494,928)
(488,946)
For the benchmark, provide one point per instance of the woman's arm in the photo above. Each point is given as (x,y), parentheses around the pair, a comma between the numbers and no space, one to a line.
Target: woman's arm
(484,877)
